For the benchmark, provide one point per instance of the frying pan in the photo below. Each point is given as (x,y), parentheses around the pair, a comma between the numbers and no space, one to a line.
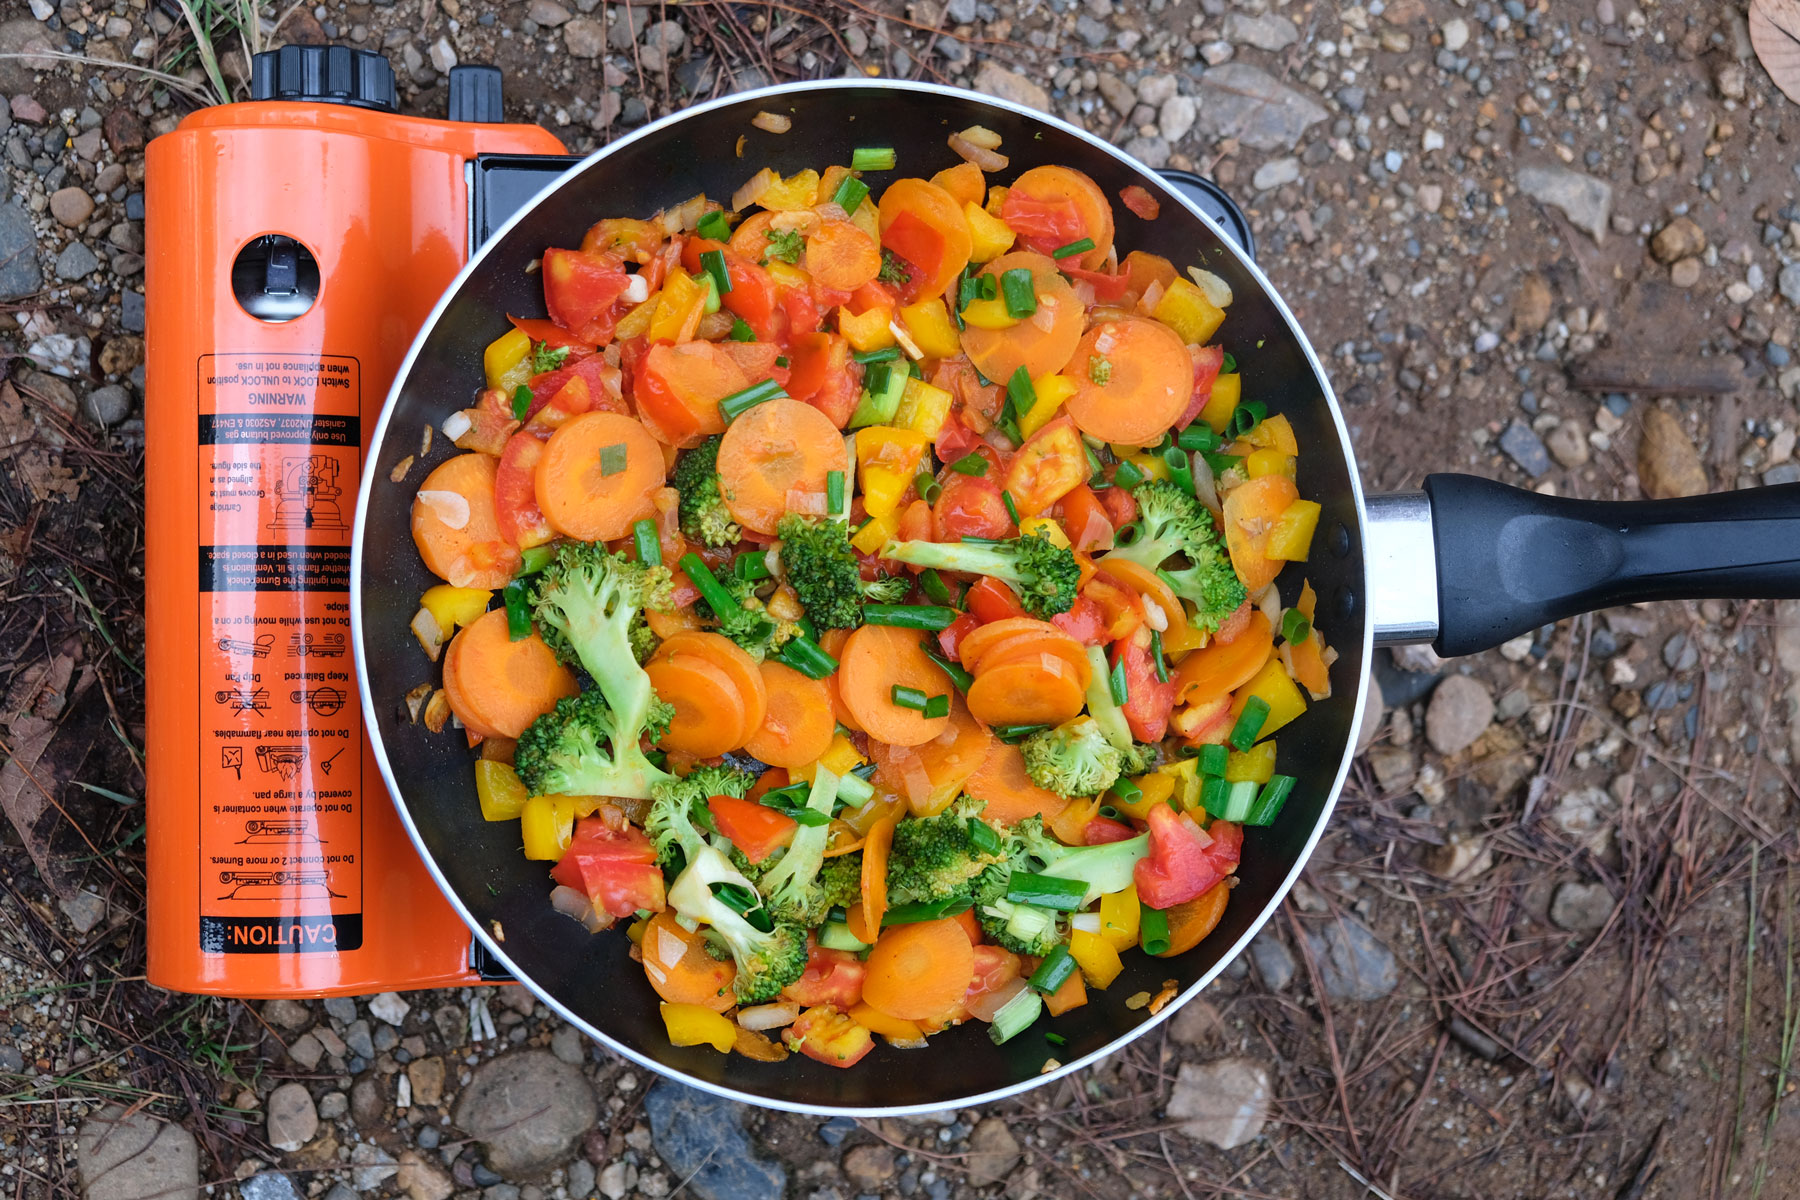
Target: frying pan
(1463,564)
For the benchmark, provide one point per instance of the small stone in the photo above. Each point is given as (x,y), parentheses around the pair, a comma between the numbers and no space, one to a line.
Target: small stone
(579,1179)
(528,1108)
(341,1009)
(443,56)
(1353,964)
(1788,281)
(76,262)
(1265,32)
(1531,303)
(373,1166)
(367,1104)
(306,1051)
(568,1044)
(85,909)
(1263,113)
(1456,34)
(993,1153)
(1568,444)
(1460,858)
(358,1037)
(333,1105)
(1117,92)
(1679,239)
(269,1185)
(26,108)
(129,1157)
(1274,961)
(617,1179)
(1196,1024)
(20,275)
(1686,273)
(292,1117)
(1215,53)
(870,1167)
(1525,448)
(1581,907)
(121,354)
(547,13)
(1275,173)
(1153,91)
(124,131)
(422,1179)
(700,1137)
(1586,201)
(996,80)
(389,1007)
(584,37)
(1177,117)
(1668,464)
(71,206)
(1153,152)
(1430,197)
(1395,768)
(427,1078)
(1225,1102)
(1460,711)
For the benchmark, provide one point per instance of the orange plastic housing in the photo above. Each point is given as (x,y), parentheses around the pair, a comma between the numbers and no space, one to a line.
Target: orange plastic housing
(277,864)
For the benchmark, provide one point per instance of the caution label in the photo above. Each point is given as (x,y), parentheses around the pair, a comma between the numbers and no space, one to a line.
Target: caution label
(280,788)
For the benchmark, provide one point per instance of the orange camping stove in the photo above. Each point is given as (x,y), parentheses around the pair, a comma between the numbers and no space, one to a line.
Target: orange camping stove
(297,243)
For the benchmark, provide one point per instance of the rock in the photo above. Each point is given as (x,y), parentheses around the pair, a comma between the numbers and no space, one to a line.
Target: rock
(1668,464)
(1154,90)
(1531,303)
(1586,815)
(19,272)
(528,1108)
(269,1185)
(443,56)
(568,1044)
(85,909)
(1787,654)
(422,1179)
(71,206)
(76,262)
(1118,93)
(547,13)
(1274,961)
(1274,173)
(389,1007)
(584,37)
(1460,858)
(1395,768)
(1686,273)
(580,1179)
(1568,444)
(287,1014)
(993,1152)
(26,108)
(293,1120)
(373,1166)
(870,1166)
(1461,709)
(996,80)
(132,1157)
(27,38)
(1266,32)
(427,1078)
(1586,201)
(1353,964)
(1153,152)
(1525,448)
(701,1138)
(121,354)
(1581,907)
(1217,52)
(1225,1102)
(124,132)
(1430,197)
(367,1104)
(1374,711)
(667,36)
(359,1039)
(1456,34)
(1788,281)
(1679,239)
(1177,117)
(617,1179)
(1245,102)
(306,1050)
(107,406)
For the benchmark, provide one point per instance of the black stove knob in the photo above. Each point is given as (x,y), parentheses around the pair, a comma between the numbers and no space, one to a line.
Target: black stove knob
(333,74)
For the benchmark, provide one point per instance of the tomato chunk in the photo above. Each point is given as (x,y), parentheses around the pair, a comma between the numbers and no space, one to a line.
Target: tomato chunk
(970,506)
(1047,467)
(821,374)
(832,977)
(615,868)
(754,828)
(990,600)
(516,510)
(1182,864)
(1208,361)
(579,286)
(827,1035)
(1148,699)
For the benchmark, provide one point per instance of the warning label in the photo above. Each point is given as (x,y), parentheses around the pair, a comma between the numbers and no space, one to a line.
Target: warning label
(280,787)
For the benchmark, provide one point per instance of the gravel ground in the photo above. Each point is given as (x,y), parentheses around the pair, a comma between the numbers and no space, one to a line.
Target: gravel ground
(1558,247)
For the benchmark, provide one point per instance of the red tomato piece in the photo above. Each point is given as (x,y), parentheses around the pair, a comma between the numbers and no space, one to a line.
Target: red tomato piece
(1140,202)
(921,245)
(1085,519)
(1101,830)
(605,384)
(550,333)
(516,510)
(1181,864)
(950,637)
(832,977)
(1148,700)
(970,506)
(1108,289)
(1043,225)
(825,1034)
(995,967)
(1050,463)
(579,287)
(1207,362)
(1085,622)
(615,868)
(798,307)
(955,439)
(873,294)
(990,600)
(1121,509)
(821,373)
(915,521)
(1121,609)
(756,830)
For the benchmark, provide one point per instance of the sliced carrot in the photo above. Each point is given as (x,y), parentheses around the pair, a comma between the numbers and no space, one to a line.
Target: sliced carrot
(1024,692)
(1251,510)
(1052,183)
(832,642)
(1224,667)
(931,774)
(1004,784)
(1072,994)
(971,925)
(667,625)
(865,916)
(677,390)
(1191,920)
(730,658)
(797,726)
(1149,379)
(598,476)
(941,214)
(981,639)
(497,686)
(709,713)
(679,968)
(1030,646)
(751,237)
(456,528)
(1042,342)
(1310,670)
(878,658)
(775,459)
(840,255)
(919,970)
(964,181)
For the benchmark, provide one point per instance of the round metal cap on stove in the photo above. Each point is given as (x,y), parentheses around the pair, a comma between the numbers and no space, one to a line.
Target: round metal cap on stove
(333,74)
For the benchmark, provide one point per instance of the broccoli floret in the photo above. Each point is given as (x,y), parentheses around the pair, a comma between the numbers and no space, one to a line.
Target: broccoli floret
(1073,759)
(936,857)
(886,589)
(821,567)
(675,822)
(766,962)
(704,516)
(1175,527)
(791,884)
(585,605)
(1043,574)
(1104,868)
(1021,928)
(1139,758)
(841,879)
(748,623)
(579,748)
(643,639)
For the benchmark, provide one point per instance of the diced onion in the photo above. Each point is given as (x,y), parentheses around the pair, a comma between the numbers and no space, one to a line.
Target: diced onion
(986,1005)
(830,211)
(1044,319)
(452,508)
(759,1017)
(1154,616)
(669,948)
(770,122)
(914,775)
(430,635)
(1206,488)
(1106,341)
(415,701)
(1099,314)
(457,424)
(1216,289)
(571,903)
(1084,293)
(1087,922)
(425,440)
(1269,600)
(982,156)
(437,711)
(905,339)
(981,136)
(1204,838)
(807,503)
(797,220)
(908,1043)
(752,191)
(1152,295)
(637,289)
(403,466)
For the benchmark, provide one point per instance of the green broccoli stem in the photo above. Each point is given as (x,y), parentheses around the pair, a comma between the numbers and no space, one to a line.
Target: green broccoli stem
(1100,703)
(798,867)
(1105,868)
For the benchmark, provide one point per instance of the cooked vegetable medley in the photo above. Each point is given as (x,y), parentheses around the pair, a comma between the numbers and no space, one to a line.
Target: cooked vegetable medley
(864,594)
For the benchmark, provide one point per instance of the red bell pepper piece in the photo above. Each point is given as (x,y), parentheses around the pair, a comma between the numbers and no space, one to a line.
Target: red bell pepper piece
(1108,289)
(753,828)
(1101,830)
(951,636)
(1182,864)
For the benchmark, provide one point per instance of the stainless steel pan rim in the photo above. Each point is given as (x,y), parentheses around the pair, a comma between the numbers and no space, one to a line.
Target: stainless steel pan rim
(1167,195)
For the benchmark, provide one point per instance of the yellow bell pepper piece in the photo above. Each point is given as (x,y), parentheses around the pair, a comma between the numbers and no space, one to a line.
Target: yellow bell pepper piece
(1153,789)
(989,314)
(506,361)
(635,930)
(786,274)
(866,331)
(996,200)
(637,322)
(876,1021)
(1291,538)
(1185,778)
(1268,462)
(1045,527)
(1277,691)
(1255,765)
(866,217)
(1185,309)
(1227,390)
(547,824)
(989,236)
(1119,912)
(840,758)
(928,324)
(1274,433)
(697,1025)
(797,191)
(1098,961)
(887,459)
(1052,391)
(875,534)
(1151,465)
(453,607)
(498,788)
(679,309)
(923,408)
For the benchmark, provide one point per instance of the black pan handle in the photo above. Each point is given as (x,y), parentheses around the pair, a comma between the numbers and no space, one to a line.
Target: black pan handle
(1509,560)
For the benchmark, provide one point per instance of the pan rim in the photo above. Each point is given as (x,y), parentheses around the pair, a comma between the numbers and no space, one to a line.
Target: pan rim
(372,727)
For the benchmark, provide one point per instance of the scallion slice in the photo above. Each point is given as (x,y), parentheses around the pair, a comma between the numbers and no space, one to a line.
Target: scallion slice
(1249,723)
(970,464)
(885,354)
(1019,292)
(872,158)
(649,546)
(928,617)
(521,402)
(713,263)
(1046,891)
(1295,627)
(803,654)
(614,459)
(739,403)
(850,194)
(1073,248)
(934,587)
(926,910)
(961,678)
(1153,930)
(929,489)
(713,226)
(1268,804)
(909,697)
(1012,508)
(1054,971)
(1116,684)
(1017,733)
(1213,759)
(741,331)
(1016,1016)
(1156,656)
(834,490)
(518,610)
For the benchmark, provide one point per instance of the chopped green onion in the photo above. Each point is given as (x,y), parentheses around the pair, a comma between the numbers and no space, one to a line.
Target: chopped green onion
(741,331)
(649,546)
(1153,929)
(1016,1016)
(937,706)
(834,490)
(1228,365)
(1046,891)
(929,489)
(885,354)
(1156,656)
(1295,628)
(1213,794)
(926,910)
(962,299)
(1247,416)
(1268,804)
(714,227)
(850,194)
(932,584)
(781,360)
(928,617)
(983,837)
(1249,723)
(521,402)
(1019,291)
(970,464)
(1115,681)
(1221,463)
(1128,475)
(872,158)
(738,898)
(1054,971)
(1213,759)
(961,678)
(739,403)
(751,566)
(1180,469)
(518,610)
(703,579)
(710,287)
(805,655)
(534,559)
(836,935)
(909,697)
(1239,797)
(1109,812)
(1012,509)
(1093,459)
(1054,1038)
(614,459)
(1126,790)
(713,263)
(1197,437)
(1073,248)
(1017,733)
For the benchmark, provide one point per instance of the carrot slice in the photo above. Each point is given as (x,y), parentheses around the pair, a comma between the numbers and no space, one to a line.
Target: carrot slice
(1053,183)
(797,725)
(832,642)
(942,214)
(679,968)
(730,658)
(1030,646)
(1223,667)
(751,237)
(709,713)
(497,686)
(1025,692)
(919,970)
(840,255)
(980,640)
(931,774)
(1191,920)
(1251,510)
(878,658)
(598,475)
(775,459)
(1042,342)
(1072,994)
(964,181)
(1149,379)
(1004,784)
(456,528)
(865,916)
